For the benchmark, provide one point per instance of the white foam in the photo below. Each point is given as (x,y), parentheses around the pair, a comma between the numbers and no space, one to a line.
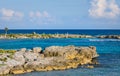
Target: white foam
(104,39)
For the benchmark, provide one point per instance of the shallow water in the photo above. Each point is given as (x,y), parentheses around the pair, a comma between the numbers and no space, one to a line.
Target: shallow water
(103,45)
(109,50)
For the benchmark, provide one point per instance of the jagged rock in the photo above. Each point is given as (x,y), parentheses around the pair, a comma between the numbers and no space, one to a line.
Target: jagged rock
(29,56)
(67,51)
(89,52)
(52,58)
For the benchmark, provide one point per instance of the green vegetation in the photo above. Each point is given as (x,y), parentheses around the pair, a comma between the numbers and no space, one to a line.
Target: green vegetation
(43,35)
(46,35)
(3,59)
(7,51)
(10,56)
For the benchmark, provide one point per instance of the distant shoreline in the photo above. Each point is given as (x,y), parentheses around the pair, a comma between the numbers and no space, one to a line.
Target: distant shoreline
(34,35)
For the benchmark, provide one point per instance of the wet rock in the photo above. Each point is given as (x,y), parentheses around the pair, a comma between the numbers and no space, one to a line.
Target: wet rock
(90,66)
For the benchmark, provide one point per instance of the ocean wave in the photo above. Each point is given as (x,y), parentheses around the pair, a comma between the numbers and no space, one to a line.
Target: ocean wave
(104,39)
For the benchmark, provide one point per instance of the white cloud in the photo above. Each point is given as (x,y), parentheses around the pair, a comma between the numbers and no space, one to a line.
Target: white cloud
(45,14)
(34,16)
(104,9)
(39,14)
(9,14)
(31,14)
(41,17)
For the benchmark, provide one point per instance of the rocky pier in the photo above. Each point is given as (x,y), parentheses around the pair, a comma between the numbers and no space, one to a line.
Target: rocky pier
(51,58)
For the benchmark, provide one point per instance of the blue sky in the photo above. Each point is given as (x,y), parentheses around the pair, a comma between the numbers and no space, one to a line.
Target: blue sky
(60,14)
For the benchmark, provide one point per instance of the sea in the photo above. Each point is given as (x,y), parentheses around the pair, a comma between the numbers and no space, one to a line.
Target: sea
(108,49)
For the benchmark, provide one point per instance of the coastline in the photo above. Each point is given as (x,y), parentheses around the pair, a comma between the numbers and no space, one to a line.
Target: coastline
(52,58)
(46,36)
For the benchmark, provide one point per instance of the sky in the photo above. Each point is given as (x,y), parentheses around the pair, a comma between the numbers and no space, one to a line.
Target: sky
(60,14)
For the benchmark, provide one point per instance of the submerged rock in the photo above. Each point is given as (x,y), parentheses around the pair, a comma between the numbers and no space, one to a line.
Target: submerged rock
(52,58)
(90,66)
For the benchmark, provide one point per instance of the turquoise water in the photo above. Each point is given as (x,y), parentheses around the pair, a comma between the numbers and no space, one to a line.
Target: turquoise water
(103,45)
(109,50)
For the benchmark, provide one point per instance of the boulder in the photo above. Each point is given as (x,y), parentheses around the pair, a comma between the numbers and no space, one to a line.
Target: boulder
(37,49)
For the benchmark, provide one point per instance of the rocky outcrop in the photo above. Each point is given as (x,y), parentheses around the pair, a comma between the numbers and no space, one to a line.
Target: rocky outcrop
(67,52)
(109,36)
(52,58)
(34,35)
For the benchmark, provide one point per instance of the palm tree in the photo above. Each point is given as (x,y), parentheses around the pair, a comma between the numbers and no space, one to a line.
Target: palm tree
(6,30)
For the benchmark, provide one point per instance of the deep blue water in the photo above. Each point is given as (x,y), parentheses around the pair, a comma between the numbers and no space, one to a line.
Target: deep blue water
(71,31)
(109,50)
